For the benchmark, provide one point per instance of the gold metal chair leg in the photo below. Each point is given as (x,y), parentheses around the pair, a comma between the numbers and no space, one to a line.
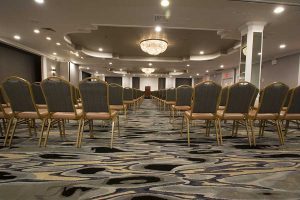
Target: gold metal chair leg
(217,132)
(29,127)
(81,133)
(118,123)
(247,129)
(182,125)
(42,132)
(112,133)
(220,132)
(48,131)
(263,128)
(78,132)
(188,130)
(281,132)
(287,123)
(8,130)
(12,133)
(60,129)
(252,132)
(233,128)
(278,131)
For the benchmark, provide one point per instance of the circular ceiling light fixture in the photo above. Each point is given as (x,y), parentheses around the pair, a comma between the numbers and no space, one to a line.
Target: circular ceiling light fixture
(17,37)
(282,46)
(154,46)
(39,1)
(165,3)
(100,49)
(37,31)
(278,10)
(148,70)
(158,29)
(201,52)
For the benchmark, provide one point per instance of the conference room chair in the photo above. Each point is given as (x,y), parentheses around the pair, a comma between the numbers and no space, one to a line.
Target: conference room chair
(237,106)
(184,95)
(3,110)
(95,104)
(170,99)
(38,95)
(287,100)
(128,97)
(23,106)
(61,106)
(272,101)
(292,113)
(205,104)
(163,100)
(116,98)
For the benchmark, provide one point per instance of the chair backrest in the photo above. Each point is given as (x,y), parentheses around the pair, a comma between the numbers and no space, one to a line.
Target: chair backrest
(58,95)
(239,97)
(254,97)
(288,98)
(171,94)
(294,103)
(95,95)
(115,94)
(19,94)
(135,93)
(38,93)
(3,98)
(128,94)
(184,95)
(273,98)
(164,94)
(206,97)
(224,95)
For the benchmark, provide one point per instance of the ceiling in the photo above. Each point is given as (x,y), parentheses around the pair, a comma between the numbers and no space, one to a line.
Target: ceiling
(117,26)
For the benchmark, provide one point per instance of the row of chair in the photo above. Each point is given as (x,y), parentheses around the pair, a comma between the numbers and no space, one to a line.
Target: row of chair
(55,100)
(208,101)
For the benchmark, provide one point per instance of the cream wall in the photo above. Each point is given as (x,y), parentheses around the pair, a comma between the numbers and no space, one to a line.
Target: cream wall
(127,81)
(74,74)
(148,81)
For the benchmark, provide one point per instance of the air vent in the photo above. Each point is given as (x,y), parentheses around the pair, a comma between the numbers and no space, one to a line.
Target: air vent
(48,29)
(160,18)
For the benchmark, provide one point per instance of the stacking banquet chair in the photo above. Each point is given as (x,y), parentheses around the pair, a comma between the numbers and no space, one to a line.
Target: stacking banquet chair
(237,106)
(116,98)
(128,97)
(163,99)
(272,100)
(38,95)
(184,95)
(170,99)
(293,108)
(4,111)
(59,98)
(224,94)
(135,97)
(20,96)
(204,107)
(287,100)
(95,103)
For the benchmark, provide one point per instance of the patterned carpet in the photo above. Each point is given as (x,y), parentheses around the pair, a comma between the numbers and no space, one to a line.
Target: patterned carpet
(150,161)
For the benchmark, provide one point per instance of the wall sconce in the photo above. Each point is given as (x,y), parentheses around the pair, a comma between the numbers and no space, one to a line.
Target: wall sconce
(53,71)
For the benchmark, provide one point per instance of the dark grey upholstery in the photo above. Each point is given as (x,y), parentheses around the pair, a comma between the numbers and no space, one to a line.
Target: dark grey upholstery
(239,97)
(94,96)
(294,104)
(288,97)
(164,94)
(2,97)
(273,98)
(58,95)
(18,92)
(206,97)
(184,95)
(135,93)
(128,94)
(224,95)
(171,94)
(254,97)
(38,93)
(115,94)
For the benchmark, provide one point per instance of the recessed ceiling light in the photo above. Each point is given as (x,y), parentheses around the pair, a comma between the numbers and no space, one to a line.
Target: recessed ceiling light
(201,52)
(54,53)
(100,49)
(282,46)
(198,74)
(222,66)
(206,71)
(96,72)
(187,65)
(39,1)
(150,64)
(48,38)
(110,63)
(121,69)
(190,76)
(174,70)
(37,31)
(87,68)
(278,10)
(58,44)
(81,57)
(164,3)
(124,75)
(158,29)
(17,37)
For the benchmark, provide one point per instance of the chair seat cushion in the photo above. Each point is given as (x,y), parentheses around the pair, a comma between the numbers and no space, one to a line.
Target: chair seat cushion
(230,116)
(32,115)
(41,106)
(67,115)
(128,102)
(100,115)
(181,108)
(200,116)
(289,116)
(117,107)
(7,112)
(262,116)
